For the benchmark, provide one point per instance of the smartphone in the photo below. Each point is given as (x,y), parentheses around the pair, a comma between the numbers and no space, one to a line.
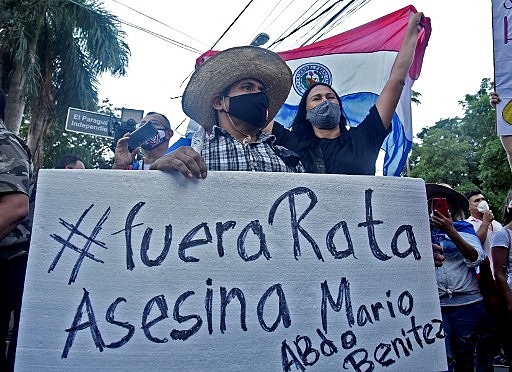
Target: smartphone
(440,205)
(141,135)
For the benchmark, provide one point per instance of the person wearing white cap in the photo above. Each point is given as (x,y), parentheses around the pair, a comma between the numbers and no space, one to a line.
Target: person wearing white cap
(233,95)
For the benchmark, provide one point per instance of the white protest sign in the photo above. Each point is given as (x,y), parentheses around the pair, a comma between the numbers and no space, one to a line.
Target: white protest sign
(502,41)
(241,271)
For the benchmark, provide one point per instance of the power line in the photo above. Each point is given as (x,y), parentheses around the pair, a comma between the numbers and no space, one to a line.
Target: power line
(314,32)
(232,23)
(162,37)
(304,24)
(223,34)
(259,29)
(157,21)
(329,21)
(303,14)
(356,7)
(313,29)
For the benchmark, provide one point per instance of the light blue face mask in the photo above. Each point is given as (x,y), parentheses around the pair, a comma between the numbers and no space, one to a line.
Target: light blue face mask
(324,116)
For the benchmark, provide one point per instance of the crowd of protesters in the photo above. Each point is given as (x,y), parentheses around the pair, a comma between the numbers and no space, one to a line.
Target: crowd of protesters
(233,109)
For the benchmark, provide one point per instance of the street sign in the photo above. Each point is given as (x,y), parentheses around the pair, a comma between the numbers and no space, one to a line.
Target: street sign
(88,122)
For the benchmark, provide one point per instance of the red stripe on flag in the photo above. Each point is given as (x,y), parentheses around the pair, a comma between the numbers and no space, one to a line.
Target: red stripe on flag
(383,34)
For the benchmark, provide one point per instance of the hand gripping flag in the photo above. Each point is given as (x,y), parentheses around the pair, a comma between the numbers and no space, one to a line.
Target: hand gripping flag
(357,64)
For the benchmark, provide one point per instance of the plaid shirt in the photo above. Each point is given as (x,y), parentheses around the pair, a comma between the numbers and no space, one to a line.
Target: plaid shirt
(222,152)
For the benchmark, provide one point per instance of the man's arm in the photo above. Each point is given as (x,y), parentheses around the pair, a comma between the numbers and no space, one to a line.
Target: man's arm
(482,232)
(13,208)
(467,250)
(484,226)
(390,95)
(500,263)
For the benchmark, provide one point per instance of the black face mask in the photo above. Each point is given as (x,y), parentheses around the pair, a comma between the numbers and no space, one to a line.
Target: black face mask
(251,108)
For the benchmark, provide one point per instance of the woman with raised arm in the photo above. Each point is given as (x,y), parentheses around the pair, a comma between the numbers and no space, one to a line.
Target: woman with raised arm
(318,132)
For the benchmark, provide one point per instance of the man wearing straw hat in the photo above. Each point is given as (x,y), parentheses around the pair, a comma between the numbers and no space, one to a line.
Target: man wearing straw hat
(234,95)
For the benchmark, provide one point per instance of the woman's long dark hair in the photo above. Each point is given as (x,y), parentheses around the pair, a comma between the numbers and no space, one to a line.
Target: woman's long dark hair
(302,127)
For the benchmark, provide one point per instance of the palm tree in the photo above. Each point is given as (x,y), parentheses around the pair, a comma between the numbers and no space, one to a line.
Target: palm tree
(51,54)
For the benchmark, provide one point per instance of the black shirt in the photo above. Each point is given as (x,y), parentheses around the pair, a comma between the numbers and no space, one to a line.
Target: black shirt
(355,151)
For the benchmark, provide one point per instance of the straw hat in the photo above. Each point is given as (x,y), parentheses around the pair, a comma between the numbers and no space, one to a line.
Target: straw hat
(444,190)
(229,66)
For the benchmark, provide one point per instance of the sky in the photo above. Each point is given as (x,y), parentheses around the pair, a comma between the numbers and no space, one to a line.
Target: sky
(458,57)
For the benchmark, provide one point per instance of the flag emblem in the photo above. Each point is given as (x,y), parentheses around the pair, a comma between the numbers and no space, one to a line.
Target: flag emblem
(308,74)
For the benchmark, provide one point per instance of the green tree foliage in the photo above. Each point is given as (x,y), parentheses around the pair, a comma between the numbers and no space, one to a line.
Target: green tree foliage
(94,150)
(465,152)
(415,97)
(438,157)
(495,173)
(479,117)
(51,54)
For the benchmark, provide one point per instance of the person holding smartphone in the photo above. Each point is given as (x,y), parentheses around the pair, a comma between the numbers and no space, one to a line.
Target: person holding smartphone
(155,143)
(465,319)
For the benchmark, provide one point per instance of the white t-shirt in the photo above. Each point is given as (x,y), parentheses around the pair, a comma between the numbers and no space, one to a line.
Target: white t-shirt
(502,239)
(491,230)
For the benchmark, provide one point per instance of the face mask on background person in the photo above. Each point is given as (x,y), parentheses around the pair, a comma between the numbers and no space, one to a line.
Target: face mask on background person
(482,206)
(251,108)
(155,141)
(324,116)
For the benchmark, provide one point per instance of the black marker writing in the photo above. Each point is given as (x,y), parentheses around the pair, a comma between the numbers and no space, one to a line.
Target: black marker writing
(84,251)
(295,223)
